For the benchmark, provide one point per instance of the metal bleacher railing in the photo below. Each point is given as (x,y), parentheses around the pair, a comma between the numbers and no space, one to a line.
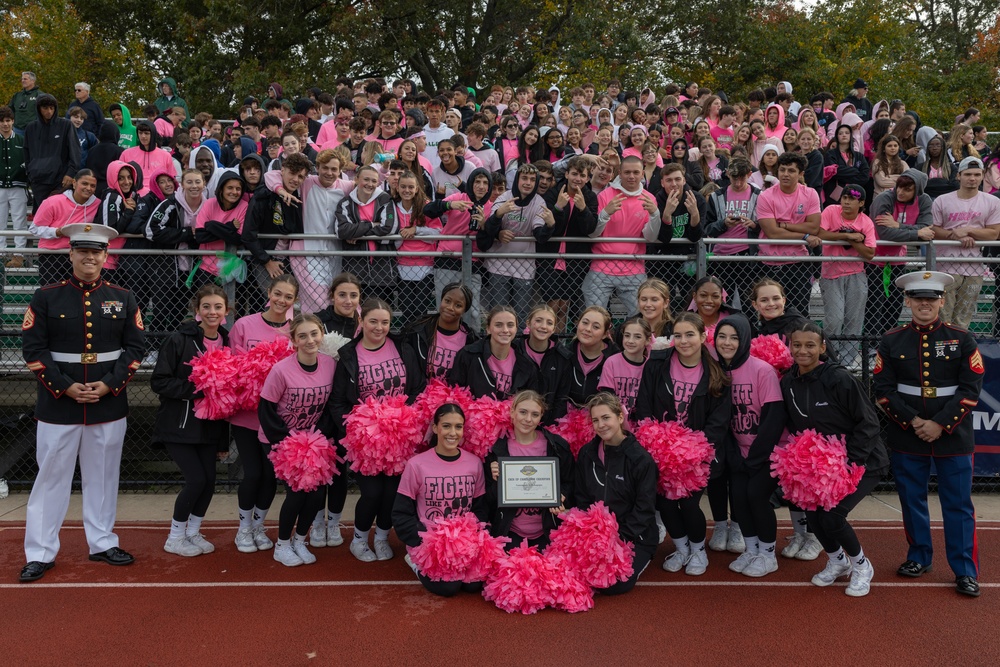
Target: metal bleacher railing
(145,469)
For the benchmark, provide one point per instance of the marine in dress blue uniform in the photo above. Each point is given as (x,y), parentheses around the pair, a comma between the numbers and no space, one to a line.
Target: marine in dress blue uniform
(83,338)
(927,379)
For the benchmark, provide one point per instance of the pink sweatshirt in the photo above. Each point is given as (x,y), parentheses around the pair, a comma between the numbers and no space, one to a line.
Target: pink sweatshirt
(58,211)
(630,221)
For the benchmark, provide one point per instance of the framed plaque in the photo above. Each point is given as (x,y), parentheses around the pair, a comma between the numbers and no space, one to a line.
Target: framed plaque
(528,481)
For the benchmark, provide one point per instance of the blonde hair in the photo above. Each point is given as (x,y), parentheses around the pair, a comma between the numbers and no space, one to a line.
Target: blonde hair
(663,290)
(528,395)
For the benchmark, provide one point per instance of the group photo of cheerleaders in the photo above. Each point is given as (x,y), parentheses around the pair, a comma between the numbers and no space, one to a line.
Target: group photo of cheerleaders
(693,368)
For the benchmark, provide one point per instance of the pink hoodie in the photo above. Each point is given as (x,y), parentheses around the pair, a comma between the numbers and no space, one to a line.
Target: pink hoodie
(779,131)
(58,211)
(117,203)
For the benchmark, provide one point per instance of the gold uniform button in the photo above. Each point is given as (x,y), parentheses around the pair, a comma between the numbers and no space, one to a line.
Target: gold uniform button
(86,303)
(926,374)
(90,335)
(926,383)
(87,294)
(88,313)
(89,346)
(62,316)
(926,345)
(927,364)
(114,317)
(927,354)
(902,356)
(90,324)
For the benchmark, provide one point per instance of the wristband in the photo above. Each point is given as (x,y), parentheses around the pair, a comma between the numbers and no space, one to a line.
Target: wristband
(805,237)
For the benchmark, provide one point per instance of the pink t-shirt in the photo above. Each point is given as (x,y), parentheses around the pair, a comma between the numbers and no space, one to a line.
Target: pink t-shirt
(714,173)
(416,244)
(300,395)
(537,356)
(754,384)
(792,209)
(685,383)
(627,222)
(247,333)
(723,138)
(381,372)
(622,377)
(904,214)
(737,204)
(213,343)
(951,212)
(442,488)
(441,357)
(528,520)
(586,365)
(833,221)
(503,371)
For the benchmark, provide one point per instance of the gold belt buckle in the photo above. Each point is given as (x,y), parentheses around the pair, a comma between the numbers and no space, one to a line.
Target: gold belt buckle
(88,358)
(928,392)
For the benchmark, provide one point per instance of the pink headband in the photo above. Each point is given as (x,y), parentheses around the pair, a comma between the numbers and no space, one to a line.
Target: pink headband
(417,135)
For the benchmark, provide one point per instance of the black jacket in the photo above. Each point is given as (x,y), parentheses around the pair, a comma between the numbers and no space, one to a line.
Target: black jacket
(829,400)
(706,413)
(472,371)
(626,482)
(501,518)
(332,322)
(103,154)
(857,171)
(51,149)
(175,420)
(579,223)
(345,379)
(554,375)
(268,214)
(782,325)
(420,336)
(680,226)
(582,386)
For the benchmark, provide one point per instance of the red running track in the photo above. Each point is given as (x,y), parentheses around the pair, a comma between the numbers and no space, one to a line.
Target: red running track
(229,608)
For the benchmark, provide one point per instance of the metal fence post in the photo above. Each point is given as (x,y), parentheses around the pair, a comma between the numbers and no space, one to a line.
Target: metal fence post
(931,257)
(467,261)
(702,259)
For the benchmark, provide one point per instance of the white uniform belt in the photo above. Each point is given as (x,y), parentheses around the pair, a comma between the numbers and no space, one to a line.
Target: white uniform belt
(926,392)
(86,357)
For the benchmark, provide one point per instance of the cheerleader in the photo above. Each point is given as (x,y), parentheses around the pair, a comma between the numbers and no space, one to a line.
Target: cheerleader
(615,469)
(527,439)
(685,384)
(587,353)
(376,364)
(708,299)
(827,398)
(192,443)
(340,317)
(438,338)
(653,298)
(553,367)
(491,366)
(258,486)
(622,371)
(295,397)
(774,316)
(443,481)
(758,423)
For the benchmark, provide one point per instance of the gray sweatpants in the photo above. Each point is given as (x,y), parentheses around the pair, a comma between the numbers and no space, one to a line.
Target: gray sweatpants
(844,311)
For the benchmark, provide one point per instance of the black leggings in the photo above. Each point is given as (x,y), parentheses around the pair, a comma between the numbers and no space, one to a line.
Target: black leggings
(447,589)
(752,503)
(639,562)
(831,528)
(298,511)
(683,517)
(258,485)
(337,492)
(378,493)
(719,492)
(197,464)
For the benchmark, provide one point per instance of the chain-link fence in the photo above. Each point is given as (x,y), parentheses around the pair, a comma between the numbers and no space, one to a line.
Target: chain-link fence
(164,281)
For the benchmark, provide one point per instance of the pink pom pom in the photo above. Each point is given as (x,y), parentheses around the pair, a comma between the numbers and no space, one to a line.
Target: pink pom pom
(213,374)
(485,422)
(458,548)
(773,350)
(813,470)
(253,367)
(710,336)
(589,543)
(519,582)
(683,456)
(575,428)
(568,590)
(437,393)
(382,435)
(305,460)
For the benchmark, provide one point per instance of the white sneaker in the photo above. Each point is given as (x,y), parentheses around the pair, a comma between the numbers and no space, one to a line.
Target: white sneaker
(661,530)
(382,550)
(317,535)
(261,539)
(735,544)
(861,579)
(676,561)
(697,564)
(413,566)
(361,551)
(761,565)
(834,570)
(794,544)
(244,541)
(199,541)
(181,546)
(301,550)
(720,536)
(810,549)
(285,554)
(334,537)
(741,562)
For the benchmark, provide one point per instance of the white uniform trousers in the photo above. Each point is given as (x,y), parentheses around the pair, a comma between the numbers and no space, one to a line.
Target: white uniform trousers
(99,448)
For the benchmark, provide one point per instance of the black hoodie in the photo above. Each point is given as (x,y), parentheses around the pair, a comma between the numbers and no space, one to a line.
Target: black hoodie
(582,385)
(175,420)
(472,370)
(103,154)
(51,149)
(420,335)
(771,424)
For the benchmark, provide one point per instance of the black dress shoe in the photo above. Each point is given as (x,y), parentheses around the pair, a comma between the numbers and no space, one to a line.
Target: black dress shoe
(912,568)
(967,586)
(114,556)
(35,570)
